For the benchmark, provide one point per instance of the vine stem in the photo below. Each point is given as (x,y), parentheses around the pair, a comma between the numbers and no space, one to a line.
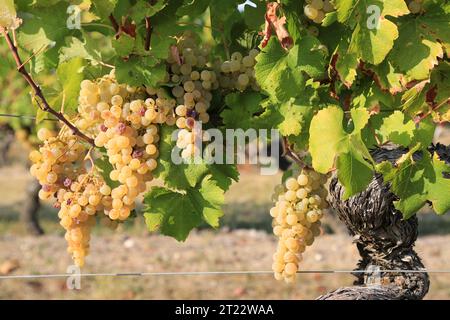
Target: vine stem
(114,23)
(148,33)
(287,150)
(38,92)
(431,110)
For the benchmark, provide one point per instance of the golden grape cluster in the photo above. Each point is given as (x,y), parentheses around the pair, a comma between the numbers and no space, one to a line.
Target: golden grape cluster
(193,81)
(298,209)
(59,167)
(194,76)
(238,72)
(315,10)
(124,121)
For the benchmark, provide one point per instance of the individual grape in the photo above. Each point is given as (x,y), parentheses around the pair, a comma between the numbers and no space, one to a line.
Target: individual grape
(310,11)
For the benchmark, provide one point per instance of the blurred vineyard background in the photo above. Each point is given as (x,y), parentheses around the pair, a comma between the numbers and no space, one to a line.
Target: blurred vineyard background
(244,242)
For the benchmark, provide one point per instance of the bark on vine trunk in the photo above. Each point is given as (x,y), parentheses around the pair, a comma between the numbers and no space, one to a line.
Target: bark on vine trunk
(384,240)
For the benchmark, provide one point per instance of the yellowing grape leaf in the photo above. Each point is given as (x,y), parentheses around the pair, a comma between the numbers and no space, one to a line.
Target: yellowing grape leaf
(397,129)
(330,141)
(374,34)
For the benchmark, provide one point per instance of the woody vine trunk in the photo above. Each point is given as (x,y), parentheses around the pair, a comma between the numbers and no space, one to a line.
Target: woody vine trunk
(384,239)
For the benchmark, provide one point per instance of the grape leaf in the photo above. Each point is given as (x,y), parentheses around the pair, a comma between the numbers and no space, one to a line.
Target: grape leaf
(388,78)
(396,129)
(44,32)
(293,117)
(254,17)
(138,71)
(353,171)
(179,176)
(70,74)
(124,45)
(77,48)
(274,75)
(104,167)
(373,37)
(103,8)
(346,64)
(329,140)
(144,9)
(240,110)
(308,55)
(416,182)
(224,175)
(175,214)
(416,52)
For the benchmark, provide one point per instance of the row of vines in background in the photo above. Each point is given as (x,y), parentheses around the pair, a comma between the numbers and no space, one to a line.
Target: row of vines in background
(336,78)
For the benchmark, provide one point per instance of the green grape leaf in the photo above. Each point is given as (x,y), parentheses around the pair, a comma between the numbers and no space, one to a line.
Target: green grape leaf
(254,17)
(414,98)
(416,52)
(170,212)
(77,48)
(70,74)
(373,46)
(329,141)
(274,75)
(64,92)
(240,110)
(36,35)
(103,8)
(397,129)
(373,35)
(138,71)
(144,9)
(308,55)
(346,64)
(193,8)
(104,167)
(124,45)
(175,213)
(293,116)
(179,176)
(224,174)
(416,182)
(344,9)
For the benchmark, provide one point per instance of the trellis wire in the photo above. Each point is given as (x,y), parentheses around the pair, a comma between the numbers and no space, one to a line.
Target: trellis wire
(6,115)
(208,273)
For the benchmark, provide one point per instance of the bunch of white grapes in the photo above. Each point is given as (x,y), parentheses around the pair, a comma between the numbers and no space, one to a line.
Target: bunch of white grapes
(193,79)
(79,202)
(59,167)
(125,121)
(239,73)
(415,6)
(56,160)
(299,205)
(316,10)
